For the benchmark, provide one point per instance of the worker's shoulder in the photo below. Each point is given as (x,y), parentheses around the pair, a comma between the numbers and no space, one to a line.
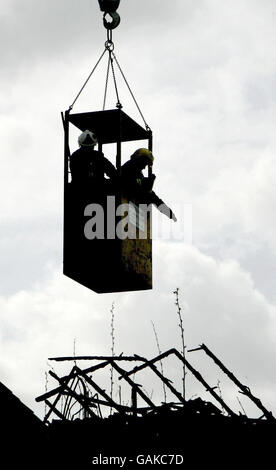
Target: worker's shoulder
(98,155)
(82,151)
(127,165)
(75,153)
(106,161)
(86,152)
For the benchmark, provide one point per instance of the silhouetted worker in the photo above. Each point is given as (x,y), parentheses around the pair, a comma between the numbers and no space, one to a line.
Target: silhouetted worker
(89,167)
(139,186)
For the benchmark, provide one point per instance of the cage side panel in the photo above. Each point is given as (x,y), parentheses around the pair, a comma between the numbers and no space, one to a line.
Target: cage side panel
(108,265)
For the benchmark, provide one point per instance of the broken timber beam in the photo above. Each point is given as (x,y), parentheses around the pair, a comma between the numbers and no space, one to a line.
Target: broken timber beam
(166,381)
(134,385)
(80,399)
(243,388)
(54,410)
(204,383)
(98,358)
(101,392)
(191,369)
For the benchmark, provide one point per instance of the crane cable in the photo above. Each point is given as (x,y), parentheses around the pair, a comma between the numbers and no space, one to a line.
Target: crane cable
(106,83)
(129,89)
(87,80)
(109,46)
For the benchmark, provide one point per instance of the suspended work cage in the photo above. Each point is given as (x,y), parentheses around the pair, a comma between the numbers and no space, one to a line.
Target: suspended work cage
(107,236)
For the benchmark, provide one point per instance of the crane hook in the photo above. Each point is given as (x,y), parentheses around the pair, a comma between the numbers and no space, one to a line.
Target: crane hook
(115,20)
(109,7)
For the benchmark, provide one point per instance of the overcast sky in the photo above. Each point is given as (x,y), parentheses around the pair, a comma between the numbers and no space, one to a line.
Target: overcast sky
(204,74)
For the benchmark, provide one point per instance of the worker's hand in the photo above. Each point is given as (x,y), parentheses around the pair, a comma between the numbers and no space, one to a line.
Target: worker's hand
(167,211)
(148,182)
(172,216)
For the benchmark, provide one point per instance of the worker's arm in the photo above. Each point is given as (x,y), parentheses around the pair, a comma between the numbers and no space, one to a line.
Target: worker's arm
(161,206)
(167,211)
(147,182)
(110,169)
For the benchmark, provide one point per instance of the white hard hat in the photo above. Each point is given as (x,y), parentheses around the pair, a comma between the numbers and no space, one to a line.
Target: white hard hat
(87,139)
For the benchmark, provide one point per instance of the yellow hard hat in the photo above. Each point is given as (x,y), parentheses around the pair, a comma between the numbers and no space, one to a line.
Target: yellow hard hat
(143,152)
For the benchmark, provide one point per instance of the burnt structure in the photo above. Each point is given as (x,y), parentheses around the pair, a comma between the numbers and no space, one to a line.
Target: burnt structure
(201,432)
(24,437)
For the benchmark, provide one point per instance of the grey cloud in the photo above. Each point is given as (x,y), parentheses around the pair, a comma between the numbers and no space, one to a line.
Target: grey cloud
(199,90)
(29,251)
(260,92)
(37,31)
(32,32)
